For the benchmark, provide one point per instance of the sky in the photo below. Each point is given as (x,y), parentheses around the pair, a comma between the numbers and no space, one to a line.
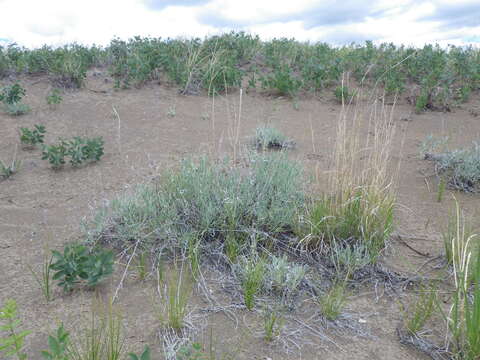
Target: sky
(33,23)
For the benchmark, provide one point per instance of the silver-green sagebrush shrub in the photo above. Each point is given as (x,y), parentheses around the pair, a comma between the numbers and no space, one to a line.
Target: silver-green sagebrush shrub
(212,200)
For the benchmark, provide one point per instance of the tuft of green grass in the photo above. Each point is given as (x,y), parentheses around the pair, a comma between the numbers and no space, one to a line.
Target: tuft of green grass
(252,278)
(333,301)
(463,319)
(272,324)
(45,277)
(141,266)
(101,339)
(458,239)
(421,311)
(173,306)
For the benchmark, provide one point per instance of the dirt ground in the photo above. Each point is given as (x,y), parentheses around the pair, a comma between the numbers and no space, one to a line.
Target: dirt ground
(155,129)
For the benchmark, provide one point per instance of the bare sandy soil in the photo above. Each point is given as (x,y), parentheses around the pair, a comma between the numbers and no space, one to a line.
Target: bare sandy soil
(40,207)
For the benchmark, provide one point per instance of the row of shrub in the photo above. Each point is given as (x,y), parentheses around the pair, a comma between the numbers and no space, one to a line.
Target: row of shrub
(442,76)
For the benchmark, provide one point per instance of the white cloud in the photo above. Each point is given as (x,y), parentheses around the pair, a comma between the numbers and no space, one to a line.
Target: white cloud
(33,23)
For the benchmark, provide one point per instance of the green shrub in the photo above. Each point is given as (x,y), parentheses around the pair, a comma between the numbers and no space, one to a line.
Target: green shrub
(422,102)
(55,154)
(30,138)
(343,94)
(282,80)
(78,264)
(12,94)
(79,149)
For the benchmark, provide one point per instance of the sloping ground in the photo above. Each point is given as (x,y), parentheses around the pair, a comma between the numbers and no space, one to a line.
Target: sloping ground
(156,128)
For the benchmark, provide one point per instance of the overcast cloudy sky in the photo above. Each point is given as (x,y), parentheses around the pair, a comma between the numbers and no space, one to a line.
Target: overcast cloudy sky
(413,22)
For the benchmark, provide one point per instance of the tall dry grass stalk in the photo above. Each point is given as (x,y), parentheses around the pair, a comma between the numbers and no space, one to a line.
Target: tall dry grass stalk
(359,201)
(463,319)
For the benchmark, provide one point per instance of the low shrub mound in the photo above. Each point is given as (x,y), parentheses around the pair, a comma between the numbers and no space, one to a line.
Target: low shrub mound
(460,167)
(267,137)
(206,204)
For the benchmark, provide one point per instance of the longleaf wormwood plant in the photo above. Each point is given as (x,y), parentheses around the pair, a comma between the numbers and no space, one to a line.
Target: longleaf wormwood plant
(12,343)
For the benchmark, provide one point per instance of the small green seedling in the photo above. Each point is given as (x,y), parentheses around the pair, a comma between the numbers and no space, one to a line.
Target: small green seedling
(54,98)
(191,352)
(146,355)
(58,346)
(13,343)
(30,138)
(333,301)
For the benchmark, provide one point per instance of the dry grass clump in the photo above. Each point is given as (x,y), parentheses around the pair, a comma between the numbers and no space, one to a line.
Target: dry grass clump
(356,211)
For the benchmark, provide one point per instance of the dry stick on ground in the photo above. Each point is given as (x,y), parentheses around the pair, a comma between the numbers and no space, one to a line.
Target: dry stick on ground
(400,239)
(120,284)
(119,138)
